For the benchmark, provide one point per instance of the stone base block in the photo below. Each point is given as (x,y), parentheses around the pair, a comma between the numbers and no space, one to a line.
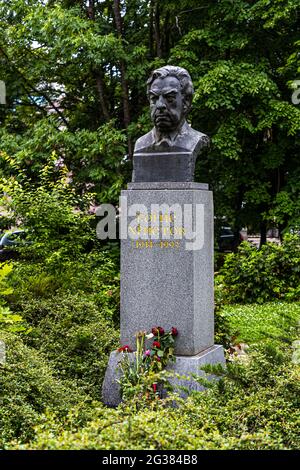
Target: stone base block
(184,366)
(188,365)
(111,388)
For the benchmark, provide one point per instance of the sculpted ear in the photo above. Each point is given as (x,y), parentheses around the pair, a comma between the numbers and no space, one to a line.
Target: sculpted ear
(186,104)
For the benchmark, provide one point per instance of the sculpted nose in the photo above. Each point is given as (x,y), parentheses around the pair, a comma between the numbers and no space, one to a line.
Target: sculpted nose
(161,103)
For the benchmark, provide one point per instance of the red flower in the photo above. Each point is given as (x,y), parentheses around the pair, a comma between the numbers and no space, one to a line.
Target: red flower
(174,331)
(154,386)
(158,330)
(156,344)
(158,358)
(125,348)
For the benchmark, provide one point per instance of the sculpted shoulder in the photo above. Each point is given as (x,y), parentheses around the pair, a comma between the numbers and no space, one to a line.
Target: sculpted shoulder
(144,141)
(193,140)
(188,140)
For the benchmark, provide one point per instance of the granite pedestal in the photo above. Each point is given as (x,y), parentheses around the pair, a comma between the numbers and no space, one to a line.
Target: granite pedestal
(167,278)
(163,282)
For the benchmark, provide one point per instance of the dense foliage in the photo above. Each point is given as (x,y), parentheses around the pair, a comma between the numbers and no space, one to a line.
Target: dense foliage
(252,275)
(51,383)
(248,410)
(75,77)
(255,405)
(67,324)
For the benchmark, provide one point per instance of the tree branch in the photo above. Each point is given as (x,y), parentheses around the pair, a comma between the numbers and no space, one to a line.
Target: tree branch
(33,88)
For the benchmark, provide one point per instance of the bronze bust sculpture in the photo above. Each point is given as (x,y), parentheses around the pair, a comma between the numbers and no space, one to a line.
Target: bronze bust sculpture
(169,151)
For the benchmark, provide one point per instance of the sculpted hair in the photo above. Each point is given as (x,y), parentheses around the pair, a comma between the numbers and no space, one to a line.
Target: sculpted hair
(180,73)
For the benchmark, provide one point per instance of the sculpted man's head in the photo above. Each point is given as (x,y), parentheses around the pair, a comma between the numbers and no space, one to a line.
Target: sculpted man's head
(170,92)
(169,150)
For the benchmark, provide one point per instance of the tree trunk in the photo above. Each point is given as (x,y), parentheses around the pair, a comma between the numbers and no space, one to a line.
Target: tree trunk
(91,9)
(124,84)
(166,42)
(151,32)
(157,30)
(101,94)
(98,74)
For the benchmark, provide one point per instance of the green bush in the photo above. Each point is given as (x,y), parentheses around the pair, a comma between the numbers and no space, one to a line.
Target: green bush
(95,273)
(56,218)
(58,229)
(28,388)
(58,366)
(254,406)
(9,321)
(252,275)
(73,335)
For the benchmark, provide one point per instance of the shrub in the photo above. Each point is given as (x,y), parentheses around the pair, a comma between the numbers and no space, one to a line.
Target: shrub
(28,387)
(58,366)
(8,320)
(56,218)
(254,406)
(95,274)
(74,336)
(252,275)
(58,229)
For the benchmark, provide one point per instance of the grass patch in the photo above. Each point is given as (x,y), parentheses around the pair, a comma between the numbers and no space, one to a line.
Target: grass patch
(253,323)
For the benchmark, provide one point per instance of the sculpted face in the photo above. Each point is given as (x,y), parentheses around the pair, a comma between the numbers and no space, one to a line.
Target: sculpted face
(167,104)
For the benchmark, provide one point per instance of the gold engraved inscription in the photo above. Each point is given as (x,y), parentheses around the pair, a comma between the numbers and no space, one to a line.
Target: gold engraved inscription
(144,244)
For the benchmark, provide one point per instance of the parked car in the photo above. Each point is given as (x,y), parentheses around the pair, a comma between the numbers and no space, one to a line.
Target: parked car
(227,240)
(9,241)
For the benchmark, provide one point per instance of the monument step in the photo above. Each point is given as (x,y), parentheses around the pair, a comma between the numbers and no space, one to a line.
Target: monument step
(184,366)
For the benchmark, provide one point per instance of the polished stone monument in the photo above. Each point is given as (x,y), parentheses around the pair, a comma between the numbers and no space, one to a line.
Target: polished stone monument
(167,237)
